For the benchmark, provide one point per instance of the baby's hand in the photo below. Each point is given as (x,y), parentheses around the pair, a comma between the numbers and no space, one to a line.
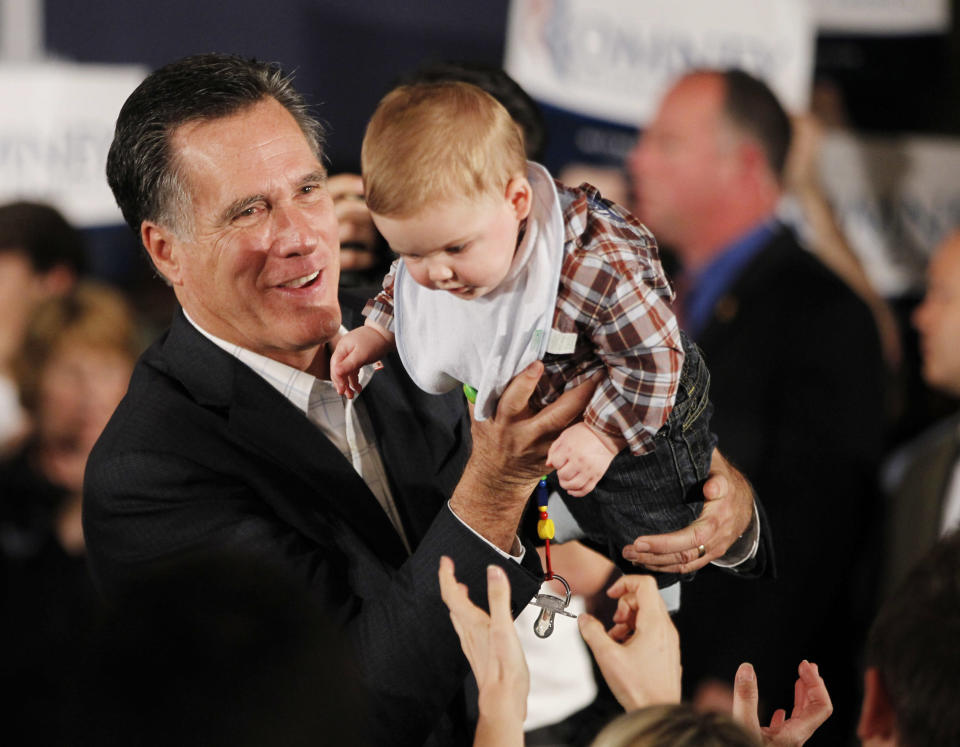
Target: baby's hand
(355,349)
(580,458)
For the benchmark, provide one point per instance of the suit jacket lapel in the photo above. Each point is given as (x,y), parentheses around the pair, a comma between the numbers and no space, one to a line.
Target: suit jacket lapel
(418,436)
(406,453)
(260,418)
(929,482)
(752,275)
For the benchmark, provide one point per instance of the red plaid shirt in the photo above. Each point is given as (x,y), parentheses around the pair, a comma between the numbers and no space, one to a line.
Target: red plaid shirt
(615,297)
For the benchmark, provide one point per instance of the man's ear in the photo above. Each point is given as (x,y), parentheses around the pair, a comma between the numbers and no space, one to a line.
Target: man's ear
(752,159)
(519,194)
(164,249)
(876,725)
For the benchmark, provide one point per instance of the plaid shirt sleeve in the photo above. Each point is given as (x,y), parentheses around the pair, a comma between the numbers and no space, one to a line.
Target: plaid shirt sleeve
(615,288)
(379,309)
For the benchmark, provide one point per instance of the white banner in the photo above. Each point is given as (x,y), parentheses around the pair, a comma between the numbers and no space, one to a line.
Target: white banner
(896,199)
(56,129)
(886,17)
(613,60)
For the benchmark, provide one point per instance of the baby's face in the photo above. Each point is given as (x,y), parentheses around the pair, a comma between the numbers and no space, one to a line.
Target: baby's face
(464,247)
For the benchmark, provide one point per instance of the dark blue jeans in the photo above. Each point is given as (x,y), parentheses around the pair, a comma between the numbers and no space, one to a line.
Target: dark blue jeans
(661,490)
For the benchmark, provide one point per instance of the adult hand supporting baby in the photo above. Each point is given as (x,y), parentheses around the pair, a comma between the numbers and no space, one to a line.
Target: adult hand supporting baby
(509,456)
(726,515)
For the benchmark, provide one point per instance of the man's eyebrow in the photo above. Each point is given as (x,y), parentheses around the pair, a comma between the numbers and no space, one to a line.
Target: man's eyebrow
(320,175)
(238,206)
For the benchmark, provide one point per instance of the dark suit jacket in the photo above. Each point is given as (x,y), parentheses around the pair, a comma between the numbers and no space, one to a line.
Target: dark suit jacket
(796,380)
(203,454)
(915,498)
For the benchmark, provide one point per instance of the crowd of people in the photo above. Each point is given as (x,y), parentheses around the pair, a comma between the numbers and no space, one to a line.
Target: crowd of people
(238,533)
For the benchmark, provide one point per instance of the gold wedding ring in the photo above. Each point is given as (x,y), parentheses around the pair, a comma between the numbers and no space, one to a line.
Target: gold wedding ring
(701,551)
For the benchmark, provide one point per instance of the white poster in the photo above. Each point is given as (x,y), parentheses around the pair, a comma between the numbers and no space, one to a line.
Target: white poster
(56,129)
(896,199)
(613,60)
(886,17)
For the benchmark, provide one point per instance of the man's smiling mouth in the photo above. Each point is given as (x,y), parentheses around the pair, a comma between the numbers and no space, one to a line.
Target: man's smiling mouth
(301,281)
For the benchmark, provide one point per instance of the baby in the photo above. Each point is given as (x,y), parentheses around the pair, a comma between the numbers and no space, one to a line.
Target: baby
(501,266)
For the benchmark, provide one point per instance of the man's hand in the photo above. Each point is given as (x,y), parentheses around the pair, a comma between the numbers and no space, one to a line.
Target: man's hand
(492,647)
(811,707)
(509,456)
(358,235)
(640,655)
(580,458)
(727,512)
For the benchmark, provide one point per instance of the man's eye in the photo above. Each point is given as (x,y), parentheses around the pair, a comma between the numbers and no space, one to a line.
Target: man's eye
(248,212)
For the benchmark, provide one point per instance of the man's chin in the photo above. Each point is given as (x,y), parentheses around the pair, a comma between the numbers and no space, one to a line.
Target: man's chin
(324,325)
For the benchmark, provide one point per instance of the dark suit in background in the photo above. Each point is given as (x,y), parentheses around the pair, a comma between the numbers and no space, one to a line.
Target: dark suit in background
(203,455)
(796,382)
(917,478)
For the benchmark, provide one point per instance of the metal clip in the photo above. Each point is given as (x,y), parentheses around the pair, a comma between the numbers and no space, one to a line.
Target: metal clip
(550,605)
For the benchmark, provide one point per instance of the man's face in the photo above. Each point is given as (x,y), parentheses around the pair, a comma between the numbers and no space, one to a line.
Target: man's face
(464,247)
(682,160)
(259,265)
(938,319)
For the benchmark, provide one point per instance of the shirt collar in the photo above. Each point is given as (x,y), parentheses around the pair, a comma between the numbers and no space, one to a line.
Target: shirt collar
(295,385)
(706,285)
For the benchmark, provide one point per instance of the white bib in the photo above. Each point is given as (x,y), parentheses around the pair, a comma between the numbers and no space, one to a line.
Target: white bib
(445,341)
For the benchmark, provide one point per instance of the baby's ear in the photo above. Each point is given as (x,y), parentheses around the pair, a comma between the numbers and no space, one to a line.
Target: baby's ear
(519,194)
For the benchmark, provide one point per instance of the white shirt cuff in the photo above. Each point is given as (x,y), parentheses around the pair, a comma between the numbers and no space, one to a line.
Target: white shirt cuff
(745,548)
(517,552)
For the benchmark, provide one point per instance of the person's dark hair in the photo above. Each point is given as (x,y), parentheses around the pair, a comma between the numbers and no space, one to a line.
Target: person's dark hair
(914,644)
(495,81)
(217,651)
(143,171)
(42,234)
(753,108)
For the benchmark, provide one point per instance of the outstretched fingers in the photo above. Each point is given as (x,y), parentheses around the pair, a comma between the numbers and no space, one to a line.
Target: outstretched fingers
(746,698)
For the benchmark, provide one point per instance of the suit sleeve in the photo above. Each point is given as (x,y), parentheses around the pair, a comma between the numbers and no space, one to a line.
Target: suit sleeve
(147,508)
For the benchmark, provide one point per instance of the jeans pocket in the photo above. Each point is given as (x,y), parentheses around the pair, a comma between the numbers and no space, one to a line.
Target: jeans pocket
(693,392)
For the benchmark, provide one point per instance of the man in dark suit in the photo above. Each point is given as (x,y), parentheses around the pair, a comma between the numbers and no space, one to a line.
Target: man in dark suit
(796,382)
(923,478)
(231,437)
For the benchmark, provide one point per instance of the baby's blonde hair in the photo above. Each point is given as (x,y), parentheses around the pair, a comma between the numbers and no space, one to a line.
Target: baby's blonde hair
(436,142)
(674,725)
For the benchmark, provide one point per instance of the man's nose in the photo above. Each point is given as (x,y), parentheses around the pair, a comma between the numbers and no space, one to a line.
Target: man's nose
(294,231)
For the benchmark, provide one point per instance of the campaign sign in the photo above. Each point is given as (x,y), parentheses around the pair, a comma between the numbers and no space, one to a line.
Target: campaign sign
(614,60)
(55,132)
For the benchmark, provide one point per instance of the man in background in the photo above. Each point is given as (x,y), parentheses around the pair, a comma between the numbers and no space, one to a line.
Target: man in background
(911,686)
(796,371)
(923,478)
